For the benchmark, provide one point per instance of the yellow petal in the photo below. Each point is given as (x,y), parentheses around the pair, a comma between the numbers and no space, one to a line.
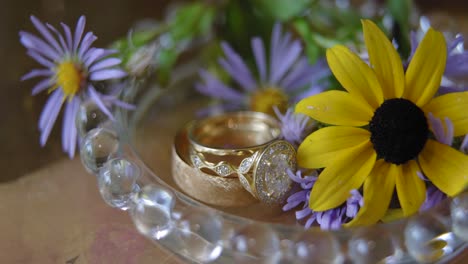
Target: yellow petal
(336,108)
(446,167)
(347,172)
(426,68)
(378,191)
(410,188)
(355,75)
(320,148)
(454,106)
(385,60)
(393,215)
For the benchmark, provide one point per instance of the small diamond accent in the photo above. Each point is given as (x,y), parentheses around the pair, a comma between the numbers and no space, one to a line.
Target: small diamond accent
(245,165)
(197,162)
(245,183)
(223,170)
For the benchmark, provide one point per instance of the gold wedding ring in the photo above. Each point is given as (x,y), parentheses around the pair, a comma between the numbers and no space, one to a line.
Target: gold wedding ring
(213,190)
(244,145)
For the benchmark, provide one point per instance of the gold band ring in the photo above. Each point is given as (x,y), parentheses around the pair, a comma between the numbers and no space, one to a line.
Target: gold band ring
(213,190)
(220,143)
(244,144)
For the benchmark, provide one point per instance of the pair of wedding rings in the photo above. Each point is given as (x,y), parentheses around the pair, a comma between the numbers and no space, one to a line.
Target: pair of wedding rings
(242,147)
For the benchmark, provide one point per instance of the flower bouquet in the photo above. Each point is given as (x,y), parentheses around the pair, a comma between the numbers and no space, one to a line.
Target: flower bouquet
(265,131)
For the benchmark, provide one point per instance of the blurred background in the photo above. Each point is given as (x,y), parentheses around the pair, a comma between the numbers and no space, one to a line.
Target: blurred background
(20,151)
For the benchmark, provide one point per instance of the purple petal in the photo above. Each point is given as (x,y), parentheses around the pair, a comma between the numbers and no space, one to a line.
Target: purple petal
(45,33)
(36,73)
(68,36)
(444,137)
(74,131)
(88,39)
(287,58)
(237,68)
(259,54)
(216,89)
(95,96)
(290,205)
(66,126)
(275,41)
(300,196)
(107,74)
(464,145)
(309,222)
(54,101)
(95,54)
(107,63)
(63,44)
(450,131)
(34,43)
(457,65)
(50,116)
(79,32)
(457,41)
(303,213)
(303,74)
(40,59)
(433,197)
(41,86)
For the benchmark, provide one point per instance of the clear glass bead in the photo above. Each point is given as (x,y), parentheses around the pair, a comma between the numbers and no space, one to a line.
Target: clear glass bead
(117,182)
(256,243)
(152,210)
(459,214)
(372,245)
(319,246)
(97,147)
(201,233)
(88,117)
(427,239)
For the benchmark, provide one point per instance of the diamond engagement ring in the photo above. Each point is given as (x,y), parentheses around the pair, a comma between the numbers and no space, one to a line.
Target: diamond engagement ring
(244,145)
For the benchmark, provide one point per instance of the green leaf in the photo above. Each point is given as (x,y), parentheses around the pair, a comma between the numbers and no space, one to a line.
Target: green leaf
(281,10)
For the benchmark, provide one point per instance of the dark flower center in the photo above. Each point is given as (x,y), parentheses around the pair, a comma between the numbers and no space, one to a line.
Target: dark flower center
(399,130)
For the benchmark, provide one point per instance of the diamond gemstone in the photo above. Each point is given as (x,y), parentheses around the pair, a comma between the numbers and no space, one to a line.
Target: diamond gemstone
(245,183)
(245,165)
(223,170)
(271,178)
(197,162)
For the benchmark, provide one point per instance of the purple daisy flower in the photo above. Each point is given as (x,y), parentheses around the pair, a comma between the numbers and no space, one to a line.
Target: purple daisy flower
(328,220)
(294,126)
(71,66)
(287,78)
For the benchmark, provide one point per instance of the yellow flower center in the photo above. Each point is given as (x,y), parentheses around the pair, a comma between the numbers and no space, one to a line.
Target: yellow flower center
(263,100)
(69,77)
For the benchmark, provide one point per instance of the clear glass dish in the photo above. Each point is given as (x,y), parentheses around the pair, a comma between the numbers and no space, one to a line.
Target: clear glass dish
(132,157)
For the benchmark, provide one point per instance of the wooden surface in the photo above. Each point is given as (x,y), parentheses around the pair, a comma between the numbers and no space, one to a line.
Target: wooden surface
(56,215)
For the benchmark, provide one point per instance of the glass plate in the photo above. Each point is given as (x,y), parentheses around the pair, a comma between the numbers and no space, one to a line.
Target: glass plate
(255,233)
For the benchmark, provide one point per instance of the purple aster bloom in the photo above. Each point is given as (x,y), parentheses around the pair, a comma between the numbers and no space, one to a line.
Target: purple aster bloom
(294,126)
(328,220)
(287,77)
(71,67)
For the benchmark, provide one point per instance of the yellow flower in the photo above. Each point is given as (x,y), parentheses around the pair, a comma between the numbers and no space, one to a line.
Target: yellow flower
(380,138)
